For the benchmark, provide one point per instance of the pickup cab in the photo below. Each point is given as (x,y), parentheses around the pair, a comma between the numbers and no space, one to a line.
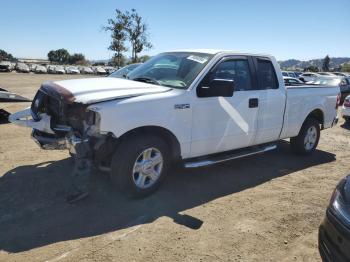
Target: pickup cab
(195,107)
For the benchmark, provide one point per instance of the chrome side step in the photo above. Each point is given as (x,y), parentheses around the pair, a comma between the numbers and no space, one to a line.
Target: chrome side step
(222,157)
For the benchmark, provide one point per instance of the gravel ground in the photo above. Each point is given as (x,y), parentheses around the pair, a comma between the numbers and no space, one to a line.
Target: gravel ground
(262,208)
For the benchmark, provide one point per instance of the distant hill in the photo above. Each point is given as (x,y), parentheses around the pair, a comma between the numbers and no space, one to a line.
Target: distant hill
(294,63)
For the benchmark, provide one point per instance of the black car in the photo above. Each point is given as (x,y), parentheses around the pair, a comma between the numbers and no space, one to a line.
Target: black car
(334,232)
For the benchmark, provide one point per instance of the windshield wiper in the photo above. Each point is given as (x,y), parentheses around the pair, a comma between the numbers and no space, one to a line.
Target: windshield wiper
(146,80)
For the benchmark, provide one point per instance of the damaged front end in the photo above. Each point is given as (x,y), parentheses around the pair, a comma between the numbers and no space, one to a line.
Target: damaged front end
(58,122)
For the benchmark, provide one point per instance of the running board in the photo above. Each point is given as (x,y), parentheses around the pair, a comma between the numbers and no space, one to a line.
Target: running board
(222,157)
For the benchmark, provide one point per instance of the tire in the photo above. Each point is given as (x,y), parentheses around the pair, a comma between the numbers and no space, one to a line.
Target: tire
(131,156)
(307,140)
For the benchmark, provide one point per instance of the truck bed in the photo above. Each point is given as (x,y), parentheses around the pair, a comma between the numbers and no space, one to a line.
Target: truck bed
(302,100)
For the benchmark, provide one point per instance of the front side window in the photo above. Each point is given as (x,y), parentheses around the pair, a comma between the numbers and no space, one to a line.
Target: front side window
(266,75)
(173,69)
(236,70)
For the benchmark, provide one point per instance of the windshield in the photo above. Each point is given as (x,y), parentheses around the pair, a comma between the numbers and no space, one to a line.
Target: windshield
(175,69)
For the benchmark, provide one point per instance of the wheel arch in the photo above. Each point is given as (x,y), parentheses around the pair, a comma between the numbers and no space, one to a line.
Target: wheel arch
(318,115)
(169,138)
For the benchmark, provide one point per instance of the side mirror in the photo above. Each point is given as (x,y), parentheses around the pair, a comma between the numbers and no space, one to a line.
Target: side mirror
(217,87)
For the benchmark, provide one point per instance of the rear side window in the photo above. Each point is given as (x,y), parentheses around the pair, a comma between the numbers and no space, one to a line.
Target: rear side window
(266,75)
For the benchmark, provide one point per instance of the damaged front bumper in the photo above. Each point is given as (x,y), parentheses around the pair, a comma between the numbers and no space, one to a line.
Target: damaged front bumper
(48,142)
(42,133)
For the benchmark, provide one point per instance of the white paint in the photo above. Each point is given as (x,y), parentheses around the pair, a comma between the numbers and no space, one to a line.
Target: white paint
(208,125)
(92,90)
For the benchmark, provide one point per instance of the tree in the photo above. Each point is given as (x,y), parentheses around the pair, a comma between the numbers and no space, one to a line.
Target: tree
(118,29)
(325,64)
(143,58)
(138,34)
(118,61)
(345,67)
(311,69)
(60,56)
(6,56)
(128,26)
(78,59)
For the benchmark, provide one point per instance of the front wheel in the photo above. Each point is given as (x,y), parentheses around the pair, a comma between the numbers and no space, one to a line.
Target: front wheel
(139,165)
(307,140)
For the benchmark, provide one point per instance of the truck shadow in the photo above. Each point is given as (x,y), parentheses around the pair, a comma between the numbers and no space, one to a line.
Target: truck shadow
(33,212)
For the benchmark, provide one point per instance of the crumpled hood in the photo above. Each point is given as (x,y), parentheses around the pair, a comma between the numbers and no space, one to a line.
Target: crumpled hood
(93,90)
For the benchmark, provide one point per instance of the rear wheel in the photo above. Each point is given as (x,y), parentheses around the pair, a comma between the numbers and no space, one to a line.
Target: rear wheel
(307,140)
(139,165)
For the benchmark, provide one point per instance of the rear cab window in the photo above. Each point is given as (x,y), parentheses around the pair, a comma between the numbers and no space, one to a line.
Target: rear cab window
(266,74)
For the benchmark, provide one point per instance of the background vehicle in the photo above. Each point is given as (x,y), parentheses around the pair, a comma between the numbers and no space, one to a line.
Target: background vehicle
(22,68)
(59,70)
(346,110)
(5,66)
(289,74)
(109,69)
(39,69)
(99,70)
(334,232)
(342,82)
(72,70)
(292,81)
(344,88)
(306,77)
(195,107)
(32,67)
(340,74)
(122,72)
(51,69)
(297,74)
(86,70)
(326,74)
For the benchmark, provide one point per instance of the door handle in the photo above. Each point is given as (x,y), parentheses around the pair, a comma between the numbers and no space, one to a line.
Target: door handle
(253,102)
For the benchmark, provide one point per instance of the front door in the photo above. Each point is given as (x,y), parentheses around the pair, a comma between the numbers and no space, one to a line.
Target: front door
(225,123)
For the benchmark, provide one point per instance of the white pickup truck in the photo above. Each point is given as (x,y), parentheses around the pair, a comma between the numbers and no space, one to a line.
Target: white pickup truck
(197,107)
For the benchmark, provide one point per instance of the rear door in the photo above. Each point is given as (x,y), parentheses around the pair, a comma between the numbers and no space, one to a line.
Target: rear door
(271,101)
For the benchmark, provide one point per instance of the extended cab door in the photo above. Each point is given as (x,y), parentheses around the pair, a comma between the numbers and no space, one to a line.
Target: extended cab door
(225,123)
(271,101)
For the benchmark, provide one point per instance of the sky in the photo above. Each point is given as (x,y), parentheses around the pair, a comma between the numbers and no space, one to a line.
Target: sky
(300,29)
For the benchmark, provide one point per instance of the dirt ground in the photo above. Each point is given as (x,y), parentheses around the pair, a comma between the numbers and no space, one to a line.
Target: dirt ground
(262,208)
